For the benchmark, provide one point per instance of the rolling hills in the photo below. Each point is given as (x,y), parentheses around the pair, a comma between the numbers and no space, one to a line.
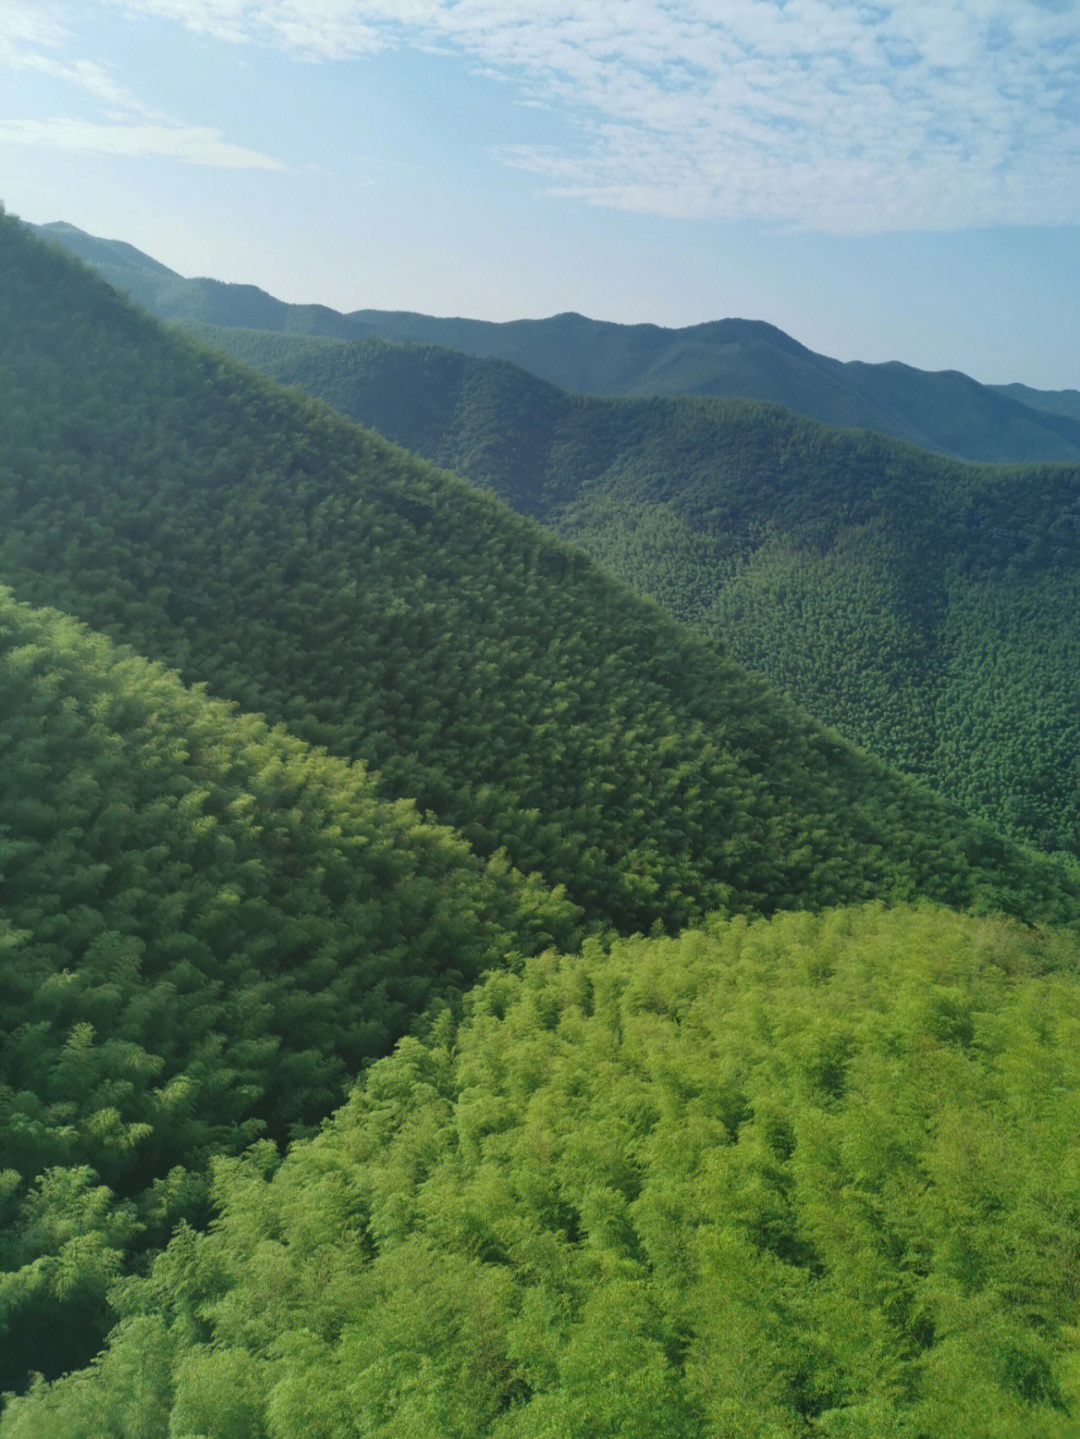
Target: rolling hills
(803,1173)
(925,608)
(310,571)
(1054,402)
(944,411)
(926,611)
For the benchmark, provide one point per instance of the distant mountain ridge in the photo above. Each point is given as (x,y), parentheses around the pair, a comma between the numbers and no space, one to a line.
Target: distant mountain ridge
(923,606)
(313,572)
(944,411)
(1054,402)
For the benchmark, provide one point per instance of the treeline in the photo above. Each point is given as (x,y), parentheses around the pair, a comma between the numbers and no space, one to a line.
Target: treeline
(257,542)
(925,608)
(805,1176)
(208,929)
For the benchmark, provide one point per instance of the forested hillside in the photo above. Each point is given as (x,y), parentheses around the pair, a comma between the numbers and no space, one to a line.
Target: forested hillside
(207,929)
(1054,402)
(926,608)
(945,410)
(748,359)
(807,1176)
(311,571)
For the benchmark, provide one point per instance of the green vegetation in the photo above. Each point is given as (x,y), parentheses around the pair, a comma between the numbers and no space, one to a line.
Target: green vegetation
(208,930)
(806,1176)
(258,543)
(944,411)
(925,608)
(1054,402)
(172,297)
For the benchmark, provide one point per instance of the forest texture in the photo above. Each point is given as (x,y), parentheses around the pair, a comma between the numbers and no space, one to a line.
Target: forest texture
(805,1176)
(338,1094)
(314,573)
(923,607)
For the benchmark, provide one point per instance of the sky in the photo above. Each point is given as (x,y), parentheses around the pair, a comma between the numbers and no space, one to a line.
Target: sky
(882,179)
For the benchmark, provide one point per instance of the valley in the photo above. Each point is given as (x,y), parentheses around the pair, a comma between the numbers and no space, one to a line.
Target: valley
(460,975)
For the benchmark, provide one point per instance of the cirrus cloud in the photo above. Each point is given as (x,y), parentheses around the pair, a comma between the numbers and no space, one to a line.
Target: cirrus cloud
(193,144)
(847,115)
(34,38)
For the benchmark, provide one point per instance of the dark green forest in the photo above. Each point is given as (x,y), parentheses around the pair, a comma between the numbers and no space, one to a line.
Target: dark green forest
(253,540)
(924,607)
(209,928)
(443,995)
(745,359)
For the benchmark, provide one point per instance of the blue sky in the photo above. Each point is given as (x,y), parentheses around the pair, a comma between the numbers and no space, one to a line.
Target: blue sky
(882,180)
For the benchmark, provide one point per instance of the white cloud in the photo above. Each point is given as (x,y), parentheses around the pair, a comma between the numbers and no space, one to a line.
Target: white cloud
(852,115)
(83,74)
(193,144)
(33,37)
(317,29)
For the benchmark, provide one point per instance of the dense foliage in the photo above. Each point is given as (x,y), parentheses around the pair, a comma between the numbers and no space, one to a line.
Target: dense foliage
(805,1175)
(809,1176)
(943,410)
(209,929)
(259,543)
(925,608)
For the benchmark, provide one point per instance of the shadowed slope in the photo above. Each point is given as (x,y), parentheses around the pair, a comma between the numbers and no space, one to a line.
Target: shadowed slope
(311,571)
(926,608)
(208,929)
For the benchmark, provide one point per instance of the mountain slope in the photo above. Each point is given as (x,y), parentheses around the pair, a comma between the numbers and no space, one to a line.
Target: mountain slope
(311,571)
(828,1151)
(207,930)
(944,411)
(1054,402)
(927,609)
(814,1175)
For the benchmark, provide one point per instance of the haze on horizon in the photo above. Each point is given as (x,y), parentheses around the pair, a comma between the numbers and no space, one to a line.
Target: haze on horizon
(882,181)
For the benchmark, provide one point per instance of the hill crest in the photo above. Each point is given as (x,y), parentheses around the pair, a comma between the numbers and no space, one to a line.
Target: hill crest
(944,411)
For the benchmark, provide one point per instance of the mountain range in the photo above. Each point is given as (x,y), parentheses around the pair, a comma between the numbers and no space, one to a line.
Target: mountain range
(923,607)
(733,1074)
(945,411)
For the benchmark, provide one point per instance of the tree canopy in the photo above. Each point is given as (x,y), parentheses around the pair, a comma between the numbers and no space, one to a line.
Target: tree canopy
(207,930)
(312,572)
(804,1176)
(320,751)
(925,608)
